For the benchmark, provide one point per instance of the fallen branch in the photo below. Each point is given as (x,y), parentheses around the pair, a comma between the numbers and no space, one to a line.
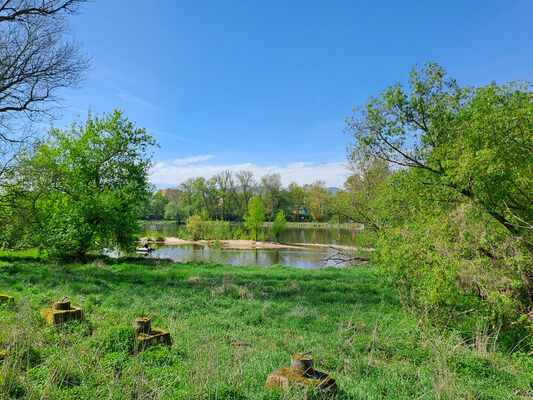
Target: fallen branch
(344,257)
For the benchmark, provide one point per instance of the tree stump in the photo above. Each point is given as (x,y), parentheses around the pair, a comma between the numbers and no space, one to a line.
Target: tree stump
(61,312)
(143,325)
(147,334)
(6,299)
(301,375)
(61,305)
(302,364)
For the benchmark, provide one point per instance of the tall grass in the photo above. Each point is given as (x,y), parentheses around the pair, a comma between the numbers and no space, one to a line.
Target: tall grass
(349,318)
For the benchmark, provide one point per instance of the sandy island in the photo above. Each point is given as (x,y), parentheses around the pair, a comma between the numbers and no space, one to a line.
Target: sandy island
(230,244)
(247,244)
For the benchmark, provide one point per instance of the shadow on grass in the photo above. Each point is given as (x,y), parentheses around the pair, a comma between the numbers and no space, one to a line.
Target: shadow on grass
(148,277)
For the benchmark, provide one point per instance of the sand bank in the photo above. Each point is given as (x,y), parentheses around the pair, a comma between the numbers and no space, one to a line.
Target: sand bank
(230,244)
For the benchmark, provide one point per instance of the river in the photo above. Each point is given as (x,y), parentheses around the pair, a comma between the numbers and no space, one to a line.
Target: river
(306,256)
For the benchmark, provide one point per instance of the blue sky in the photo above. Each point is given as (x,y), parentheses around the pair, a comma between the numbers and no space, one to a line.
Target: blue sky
(266,85)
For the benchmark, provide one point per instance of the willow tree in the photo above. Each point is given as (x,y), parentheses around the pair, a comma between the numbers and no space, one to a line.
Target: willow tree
(464,163)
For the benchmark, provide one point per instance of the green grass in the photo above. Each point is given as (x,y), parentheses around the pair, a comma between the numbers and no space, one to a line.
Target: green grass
(349,318)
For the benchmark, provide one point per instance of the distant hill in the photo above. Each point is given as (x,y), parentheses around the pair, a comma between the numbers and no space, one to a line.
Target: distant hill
(334,189)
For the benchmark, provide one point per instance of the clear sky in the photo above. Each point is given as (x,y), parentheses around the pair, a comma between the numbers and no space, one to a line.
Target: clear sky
(266,85)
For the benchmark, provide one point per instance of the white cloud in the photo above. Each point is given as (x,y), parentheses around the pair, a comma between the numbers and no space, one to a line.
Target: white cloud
(174,172)
(136,101)
(191,160)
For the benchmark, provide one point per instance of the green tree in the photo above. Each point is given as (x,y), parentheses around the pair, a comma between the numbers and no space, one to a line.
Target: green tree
(455,220)
(157,205)
(246,184)
(271,186)
(319,201)
(298,198)
(476,142)
(207,194)
(358,202)
(174,212)
(279,225)
(85,185)
(255,217)
(228,200)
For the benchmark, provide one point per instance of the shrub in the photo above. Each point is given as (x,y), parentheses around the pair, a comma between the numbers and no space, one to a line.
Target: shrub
(194,227)
(279,225)
(255,217)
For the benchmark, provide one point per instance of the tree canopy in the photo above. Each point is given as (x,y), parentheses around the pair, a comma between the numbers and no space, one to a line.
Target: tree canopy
(255,217)
(476,142)
(454,212)
(82,187)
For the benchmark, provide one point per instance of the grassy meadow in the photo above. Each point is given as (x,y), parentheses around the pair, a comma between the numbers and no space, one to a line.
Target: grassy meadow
(230,327)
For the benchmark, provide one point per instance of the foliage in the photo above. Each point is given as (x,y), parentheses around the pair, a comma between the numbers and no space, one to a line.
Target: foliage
(453,223)
(81,188)
(279,225)
(204,215)
(225,197)
(299,198)
(474,141)
(319,204)
(271,184)
(359,201)
(174,212)
(194,227)
(255,217)
(155,206)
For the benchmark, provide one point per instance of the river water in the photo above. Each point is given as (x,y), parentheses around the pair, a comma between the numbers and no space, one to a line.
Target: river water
(306,256)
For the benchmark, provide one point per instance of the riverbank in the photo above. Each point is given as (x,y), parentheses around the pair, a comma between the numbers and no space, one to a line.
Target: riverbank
(231,327)
(230,244)
(244,244)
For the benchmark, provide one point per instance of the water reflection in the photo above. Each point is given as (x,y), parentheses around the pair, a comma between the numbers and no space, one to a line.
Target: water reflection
(291,235)
(318,235)
(305,258)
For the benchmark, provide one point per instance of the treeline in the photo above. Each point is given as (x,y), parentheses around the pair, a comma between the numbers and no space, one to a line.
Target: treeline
(226,196)
(445,191)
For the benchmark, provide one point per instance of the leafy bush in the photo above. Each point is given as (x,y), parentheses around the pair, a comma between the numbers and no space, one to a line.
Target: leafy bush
(255,217)
(194,227)
(279,225)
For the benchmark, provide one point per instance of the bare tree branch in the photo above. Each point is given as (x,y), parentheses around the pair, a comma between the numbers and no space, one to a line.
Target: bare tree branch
(345,257)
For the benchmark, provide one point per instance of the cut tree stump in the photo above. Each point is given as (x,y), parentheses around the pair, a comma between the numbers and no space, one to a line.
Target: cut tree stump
(6,299)
(143,324)
(61,312)
(300,374)
(147,334)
